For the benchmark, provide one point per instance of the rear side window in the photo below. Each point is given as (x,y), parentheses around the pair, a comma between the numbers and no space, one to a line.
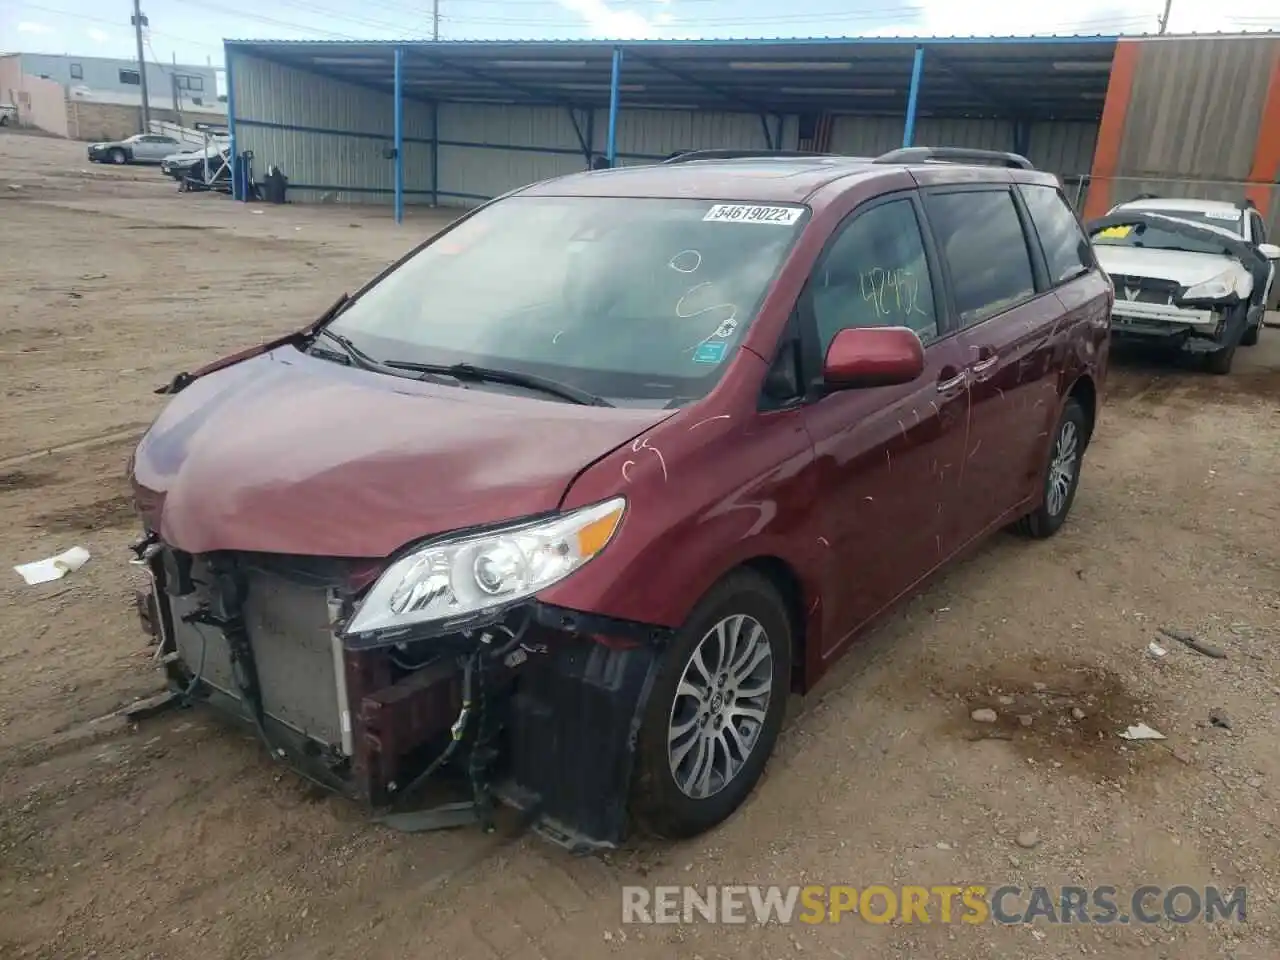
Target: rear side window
(875,275)
(980,235)
(1065,248)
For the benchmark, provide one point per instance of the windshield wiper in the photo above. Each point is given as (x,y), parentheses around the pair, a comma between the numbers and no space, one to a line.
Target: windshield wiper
(468,371)
(353,354)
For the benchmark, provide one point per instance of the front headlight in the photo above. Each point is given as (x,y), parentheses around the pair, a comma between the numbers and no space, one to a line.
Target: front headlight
(453,579)
(1215,288)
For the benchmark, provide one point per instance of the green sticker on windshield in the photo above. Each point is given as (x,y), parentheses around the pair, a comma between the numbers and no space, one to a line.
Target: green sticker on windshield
(710,352)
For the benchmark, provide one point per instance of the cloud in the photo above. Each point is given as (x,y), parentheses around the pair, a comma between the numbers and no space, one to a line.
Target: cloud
(1243,15)
(97,36)
(40,29)
(978,17)
(999,17)
(605,22)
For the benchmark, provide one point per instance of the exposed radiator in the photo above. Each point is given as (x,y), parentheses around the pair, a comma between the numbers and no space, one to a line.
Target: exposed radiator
(288,627)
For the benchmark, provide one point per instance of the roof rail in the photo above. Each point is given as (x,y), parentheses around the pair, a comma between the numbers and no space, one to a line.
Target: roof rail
(689,155)
(954,155)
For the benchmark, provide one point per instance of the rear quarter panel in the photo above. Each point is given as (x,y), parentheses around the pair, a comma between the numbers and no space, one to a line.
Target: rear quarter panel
(1083,346)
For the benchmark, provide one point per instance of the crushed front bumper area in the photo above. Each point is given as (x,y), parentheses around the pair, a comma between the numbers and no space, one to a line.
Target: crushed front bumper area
(539,709)
(1148,310)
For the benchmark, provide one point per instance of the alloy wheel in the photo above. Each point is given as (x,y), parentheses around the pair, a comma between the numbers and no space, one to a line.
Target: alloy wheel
(1062,470)
(720,706)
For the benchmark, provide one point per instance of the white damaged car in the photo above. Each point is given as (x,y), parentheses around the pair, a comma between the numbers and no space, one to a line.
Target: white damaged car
(1196,274)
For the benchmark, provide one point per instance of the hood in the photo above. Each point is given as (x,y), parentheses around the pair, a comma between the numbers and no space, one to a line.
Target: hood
(286,453)
(1173,265)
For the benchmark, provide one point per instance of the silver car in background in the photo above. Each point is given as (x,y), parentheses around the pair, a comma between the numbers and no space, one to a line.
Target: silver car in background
(140,148)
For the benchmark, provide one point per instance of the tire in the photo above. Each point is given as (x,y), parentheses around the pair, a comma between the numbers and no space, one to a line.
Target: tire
(117,156)
(1251,334)
(1071,439)
(1219,362)
(671,809)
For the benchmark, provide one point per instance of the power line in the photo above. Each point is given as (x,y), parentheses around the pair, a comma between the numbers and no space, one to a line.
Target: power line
(117,23)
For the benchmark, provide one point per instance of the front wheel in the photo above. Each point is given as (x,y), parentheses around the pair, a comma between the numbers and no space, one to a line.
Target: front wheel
(1061,476)
(715,709)
(1220,361)
(1251,334)
(118,156)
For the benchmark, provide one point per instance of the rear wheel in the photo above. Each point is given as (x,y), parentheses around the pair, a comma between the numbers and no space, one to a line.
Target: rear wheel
(1061,476)
(715,709)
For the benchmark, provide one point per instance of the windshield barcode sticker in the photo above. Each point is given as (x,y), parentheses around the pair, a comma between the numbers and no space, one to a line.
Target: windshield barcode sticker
(749,213)
(1230,216)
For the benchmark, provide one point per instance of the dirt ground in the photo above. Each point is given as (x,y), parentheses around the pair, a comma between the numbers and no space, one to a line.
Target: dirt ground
(176,838)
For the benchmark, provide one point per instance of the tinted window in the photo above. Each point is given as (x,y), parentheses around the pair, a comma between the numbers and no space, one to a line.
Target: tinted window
(1259,228)
(981,237)
(1065,248)
(633,300)
(875,275)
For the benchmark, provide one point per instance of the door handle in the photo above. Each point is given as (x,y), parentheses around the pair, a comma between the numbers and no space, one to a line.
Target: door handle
(951,383)
(982,366)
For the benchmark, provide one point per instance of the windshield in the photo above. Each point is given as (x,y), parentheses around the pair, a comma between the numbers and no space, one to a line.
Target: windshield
(629,299)
(1150,235)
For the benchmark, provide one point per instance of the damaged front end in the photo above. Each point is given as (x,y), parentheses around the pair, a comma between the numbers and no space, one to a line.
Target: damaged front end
(1192,287)
(526,704)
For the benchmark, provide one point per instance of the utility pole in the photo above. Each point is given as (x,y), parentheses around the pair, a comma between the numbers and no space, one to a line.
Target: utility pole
(1164,18)
(435,19)
(139,21)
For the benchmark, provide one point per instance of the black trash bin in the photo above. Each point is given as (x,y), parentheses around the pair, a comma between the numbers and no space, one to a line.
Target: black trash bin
(275,185)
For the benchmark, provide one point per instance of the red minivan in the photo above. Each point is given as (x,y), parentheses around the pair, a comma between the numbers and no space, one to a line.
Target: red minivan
(559,509)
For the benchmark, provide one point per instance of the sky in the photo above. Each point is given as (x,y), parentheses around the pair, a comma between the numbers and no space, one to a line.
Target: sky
(192,30)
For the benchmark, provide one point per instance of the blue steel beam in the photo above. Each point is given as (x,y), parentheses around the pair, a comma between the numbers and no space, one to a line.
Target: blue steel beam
(913,98)
(231,123)
(615,75)
(399,133)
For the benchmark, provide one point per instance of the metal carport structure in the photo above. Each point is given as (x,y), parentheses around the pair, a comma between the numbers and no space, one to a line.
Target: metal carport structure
(411,119)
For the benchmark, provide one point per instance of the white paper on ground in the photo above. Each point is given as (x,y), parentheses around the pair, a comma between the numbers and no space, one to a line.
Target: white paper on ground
(53,568)
(1140,731)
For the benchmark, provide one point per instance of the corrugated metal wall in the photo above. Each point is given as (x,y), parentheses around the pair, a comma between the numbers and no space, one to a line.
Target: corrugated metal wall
(648,134)
(328,137)
(486,150)
(1196,107)
(1065,148)
(1193,118)
(539,143)
(1062,148)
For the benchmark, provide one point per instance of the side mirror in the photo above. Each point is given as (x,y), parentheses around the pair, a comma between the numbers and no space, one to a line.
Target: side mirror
(1269,250)
(872,357)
